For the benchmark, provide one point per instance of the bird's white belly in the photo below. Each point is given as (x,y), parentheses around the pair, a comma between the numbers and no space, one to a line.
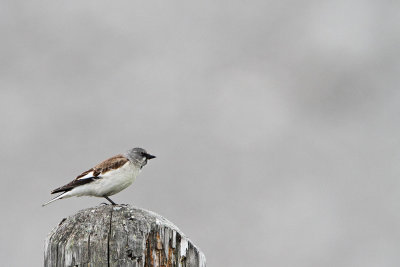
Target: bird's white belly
(109,183)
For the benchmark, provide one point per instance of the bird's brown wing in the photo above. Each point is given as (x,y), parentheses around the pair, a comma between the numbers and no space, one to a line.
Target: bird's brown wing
(109,165)
(95,173)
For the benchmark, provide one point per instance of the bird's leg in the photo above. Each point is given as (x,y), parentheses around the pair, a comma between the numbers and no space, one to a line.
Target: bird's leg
(109,199)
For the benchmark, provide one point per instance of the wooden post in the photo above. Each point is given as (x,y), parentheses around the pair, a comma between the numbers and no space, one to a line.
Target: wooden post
(119,236)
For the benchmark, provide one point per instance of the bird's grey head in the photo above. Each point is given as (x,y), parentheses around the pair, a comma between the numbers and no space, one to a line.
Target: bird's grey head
(138,156)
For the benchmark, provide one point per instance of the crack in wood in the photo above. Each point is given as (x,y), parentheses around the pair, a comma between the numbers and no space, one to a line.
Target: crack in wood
(109,237)
(88,249)
(57,257)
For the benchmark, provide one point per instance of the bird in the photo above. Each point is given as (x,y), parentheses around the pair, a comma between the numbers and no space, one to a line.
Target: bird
(106,178)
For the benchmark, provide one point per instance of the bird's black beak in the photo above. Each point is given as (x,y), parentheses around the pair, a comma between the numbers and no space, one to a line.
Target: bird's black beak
(149,156)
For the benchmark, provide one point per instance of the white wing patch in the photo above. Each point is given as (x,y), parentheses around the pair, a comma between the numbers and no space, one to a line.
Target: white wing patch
(90,174)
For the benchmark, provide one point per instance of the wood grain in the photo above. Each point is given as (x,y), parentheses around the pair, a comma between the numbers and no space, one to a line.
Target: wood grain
(119,236)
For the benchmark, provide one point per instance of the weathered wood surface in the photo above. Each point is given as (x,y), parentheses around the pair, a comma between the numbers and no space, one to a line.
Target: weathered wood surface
(119,236)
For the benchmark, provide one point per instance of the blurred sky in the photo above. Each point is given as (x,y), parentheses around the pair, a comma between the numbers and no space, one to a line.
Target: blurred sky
(275,123)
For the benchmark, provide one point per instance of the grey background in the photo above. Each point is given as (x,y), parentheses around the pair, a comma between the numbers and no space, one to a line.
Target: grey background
(275,123)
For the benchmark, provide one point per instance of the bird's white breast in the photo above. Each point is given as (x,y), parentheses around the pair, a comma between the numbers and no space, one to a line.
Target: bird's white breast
(110,182)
